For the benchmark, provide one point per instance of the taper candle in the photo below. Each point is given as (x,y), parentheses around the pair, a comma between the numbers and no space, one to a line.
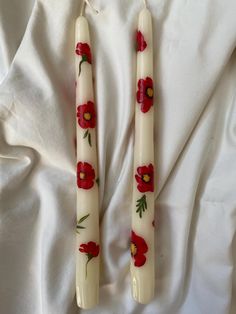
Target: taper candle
(87,244)
(142,236)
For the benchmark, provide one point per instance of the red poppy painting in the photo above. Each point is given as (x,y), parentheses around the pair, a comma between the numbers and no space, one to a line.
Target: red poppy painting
(144,94)
(145,178)
(91,249)
(86,115)
(83,50)
(138,249)
(85,175)
(140,42)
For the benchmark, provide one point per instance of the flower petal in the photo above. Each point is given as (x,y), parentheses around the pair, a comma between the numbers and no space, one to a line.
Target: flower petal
(140,260)
(91,248)
(141,249)
(140,41)
(149,82)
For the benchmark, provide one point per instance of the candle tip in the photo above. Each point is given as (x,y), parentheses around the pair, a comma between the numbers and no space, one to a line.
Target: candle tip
(82,8)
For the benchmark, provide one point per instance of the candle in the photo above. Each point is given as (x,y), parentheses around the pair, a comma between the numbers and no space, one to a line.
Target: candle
(142,234)
(87,248)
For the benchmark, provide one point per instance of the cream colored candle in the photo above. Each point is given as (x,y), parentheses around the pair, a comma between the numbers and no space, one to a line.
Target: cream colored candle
(142,236)
(87,248)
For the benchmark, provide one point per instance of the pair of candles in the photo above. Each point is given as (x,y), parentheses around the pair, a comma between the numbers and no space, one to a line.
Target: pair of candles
(142,234)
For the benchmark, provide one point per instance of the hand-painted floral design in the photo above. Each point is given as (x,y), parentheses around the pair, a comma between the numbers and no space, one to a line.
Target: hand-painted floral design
(79,222)
(85,175)
(145,94)
(83,50)
(138,248)
(91,249)
(140,42)
(86,115)
(145,178)
(141,205)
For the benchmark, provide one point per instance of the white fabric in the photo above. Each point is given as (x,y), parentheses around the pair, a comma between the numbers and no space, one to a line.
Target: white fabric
(195,131)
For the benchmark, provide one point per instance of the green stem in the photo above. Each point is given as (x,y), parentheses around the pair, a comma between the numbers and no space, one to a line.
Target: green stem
(80,66)
(84,58)
(89,139)
(86,268)
(86,265)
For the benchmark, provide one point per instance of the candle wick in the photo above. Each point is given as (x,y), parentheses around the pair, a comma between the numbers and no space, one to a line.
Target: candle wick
(90,6)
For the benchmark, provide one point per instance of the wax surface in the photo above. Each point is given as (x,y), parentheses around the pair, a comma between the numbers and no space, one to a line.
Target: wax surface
(142,236)
(87,247)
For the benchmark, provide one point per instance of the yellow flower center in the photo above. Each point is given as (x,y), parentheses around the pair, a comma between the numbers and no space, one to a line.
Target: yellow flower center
(150,92)
(87,116)
(82,175)
(146,178)
(133,249)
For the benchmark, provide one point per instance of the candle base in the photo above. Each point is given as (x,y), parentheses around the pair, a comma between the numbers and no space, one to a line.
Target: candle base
(87,295)
(142,289)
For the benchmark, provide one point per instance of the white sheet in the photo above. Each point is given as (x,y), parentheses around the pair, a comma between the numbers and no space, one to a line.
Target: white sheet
(195,129)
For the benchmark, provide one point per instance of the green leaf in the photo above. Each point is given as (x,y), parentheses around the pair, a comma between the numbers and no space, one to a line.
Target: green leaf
(89,139)
(86,133)
(79,222)
(83,218)
(141,205)
(80,227)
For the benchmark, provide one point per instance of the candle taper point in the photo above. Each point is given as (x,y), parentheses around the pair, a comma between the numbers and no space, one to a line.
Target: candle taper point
(82,8)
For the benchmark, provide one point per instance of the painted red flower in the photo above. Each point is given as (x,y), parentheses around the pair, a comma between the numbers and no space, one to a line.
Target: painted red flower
(87,118)
(91,249)
(85,175)
(86,115)
(140,41)
(145,178)
(138,248)
(145,94)
(83,50)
